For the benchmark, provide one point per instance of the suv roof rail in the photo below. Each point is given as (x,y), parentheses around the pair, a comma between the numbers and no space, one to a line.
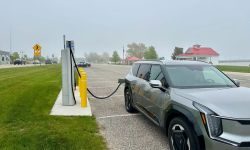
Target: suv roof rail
(151,60)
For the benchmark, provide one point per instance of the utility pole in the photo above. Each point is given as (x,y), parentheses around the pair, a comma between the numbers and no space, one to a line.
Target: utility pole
(123,55)
(10,39)
(21,55)
(64,41)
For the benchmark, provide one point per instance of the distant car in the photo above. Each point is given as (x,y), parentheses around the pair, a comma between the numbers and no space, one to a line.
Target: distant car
(83,64)
(36,62)
(19,62)
(48,61)
(88,64)
(54,62)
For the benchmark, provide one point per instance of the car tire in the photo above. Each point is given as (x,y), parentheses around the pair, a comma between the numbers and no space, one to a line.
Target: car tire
(181,135)
(129,101)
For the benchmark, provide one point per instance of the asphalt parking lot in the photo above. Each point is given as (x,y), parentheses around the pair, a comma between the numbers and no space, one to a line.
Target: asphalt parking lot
(244,78)
(121,129)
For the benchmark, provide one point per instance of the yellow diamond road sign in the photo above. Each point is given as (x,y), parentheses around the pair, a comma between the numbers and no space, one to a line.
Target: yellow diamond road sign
(37,50)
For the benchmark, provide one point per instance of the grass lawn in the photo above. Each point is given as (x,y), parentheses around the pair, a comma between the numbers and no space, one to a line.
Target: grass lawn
(26,98)
(244,69)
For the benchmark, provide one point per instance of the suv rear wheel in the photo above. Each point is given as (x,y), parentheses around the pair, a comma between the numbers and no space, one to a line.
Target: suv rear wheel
(129,100)
(181,135)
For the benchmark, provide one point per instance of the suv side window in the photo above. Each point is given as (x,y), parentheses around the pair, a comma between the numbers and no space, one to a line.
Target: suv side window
(156,74)
(144,72)
(162,79)
(135,69)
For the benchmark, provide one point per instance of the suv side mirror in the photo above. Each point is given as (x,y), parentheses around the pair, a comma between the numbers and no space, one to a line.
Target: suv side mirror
(155,83)
(237,82)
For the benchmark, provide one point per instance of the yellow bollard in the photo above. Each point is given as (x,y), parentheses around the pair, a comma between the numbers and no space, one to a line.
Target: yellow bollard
(80,83)
(83,89)
(80,87)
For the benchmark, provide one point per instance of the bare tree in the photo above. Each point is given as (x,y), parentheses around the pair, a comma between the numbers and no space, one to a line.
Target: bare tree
(105,57)
(136,49)
(94,57)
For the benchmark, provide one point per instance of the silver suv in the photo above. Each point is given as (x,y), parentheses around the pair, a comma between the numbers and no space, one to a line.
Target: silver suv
(198,106)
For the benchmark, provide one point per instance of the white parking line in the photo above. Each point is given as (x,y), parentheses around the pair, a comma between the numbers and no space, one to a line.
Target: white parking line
(123,115)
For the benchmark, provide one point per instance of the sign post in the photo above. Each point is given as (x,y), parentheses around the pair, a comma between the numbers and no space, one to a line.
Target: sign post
(37,51)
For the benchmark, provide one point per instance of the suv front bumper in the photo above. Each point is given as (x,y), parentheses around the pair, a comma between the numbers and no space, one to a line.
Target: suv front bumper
(218,145)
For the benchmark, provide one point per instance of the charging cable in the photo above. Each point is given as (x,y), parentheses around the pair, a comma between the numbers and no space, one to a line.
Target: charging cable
(71,69)
(120,81)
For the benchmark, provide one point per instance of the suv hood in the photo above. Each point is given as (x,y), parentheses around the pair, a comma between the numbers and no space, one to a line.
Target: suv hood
(226,102)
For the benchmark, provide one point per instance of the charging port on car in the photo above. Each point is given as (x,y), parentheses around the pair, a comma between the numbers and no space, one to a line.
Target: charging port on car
(121,81)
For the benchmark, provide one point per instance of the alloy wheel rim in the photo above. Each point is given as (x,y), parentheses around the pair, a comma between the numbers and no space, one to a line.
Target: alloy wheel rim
(179,138)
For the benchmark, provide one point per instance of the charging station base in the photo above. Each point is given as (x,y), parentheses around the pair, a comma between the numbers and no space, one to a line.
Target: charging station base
(75,110)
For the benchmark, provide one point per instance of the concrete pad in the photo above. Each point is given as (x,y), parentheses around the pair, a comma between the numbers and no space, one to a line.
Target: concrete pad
(76,110)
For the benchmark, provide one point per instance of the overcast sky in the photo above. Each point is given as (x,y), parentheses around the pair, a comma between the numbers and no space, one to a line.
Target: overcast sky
(107,25)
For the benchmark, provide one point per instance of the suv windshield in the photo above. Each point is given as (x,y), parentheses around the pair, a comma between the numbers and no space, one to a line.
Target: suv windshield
(197,76)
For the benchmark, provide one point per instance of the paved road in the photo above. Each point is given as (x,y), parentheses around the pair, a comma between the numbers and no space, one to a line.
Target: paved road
(121,129)
(244,78)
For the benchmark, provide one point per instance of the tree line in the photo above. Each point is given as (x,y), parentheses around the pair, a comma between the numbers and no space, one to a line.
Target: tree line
(94,57)
(15,55)
(139,50)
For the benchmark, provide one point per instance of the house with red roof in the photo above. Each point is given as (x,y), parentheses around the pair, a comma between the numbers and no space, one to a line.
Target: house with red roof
(131,59)
(198,53)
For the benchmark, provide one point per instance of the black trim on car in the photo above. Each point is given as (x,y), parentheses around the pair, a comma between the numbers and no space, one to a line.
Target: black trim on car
(225,141)
(148,114)
(243,121)
(244,144)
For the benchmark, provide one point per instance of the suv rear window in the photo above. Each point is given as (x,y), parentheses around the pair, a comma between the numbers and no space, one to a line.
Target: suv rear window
(135,69)
(144,72)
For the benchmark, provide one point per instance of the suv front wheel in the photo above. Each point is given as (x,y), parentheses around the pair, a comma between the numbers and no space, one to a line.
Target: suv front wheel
(181,135)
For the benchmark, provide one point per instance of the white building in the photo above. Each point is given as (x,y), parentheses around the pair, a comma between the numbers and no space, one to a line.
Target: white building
(239,62)
(4,57)
(198,53)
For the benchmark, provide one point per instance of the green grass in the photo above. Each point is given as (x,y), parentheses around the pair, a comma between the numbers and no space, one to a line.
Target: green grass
(243,69)
(26,98)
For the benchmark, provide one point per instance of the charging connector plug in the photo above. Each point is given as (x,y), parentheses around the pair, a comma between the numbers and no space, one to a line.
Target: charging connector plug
(121,81)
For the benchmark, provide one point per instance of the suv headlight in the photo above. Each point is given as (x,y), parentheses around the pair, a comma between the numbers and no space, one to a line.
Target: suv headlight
(210,120)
